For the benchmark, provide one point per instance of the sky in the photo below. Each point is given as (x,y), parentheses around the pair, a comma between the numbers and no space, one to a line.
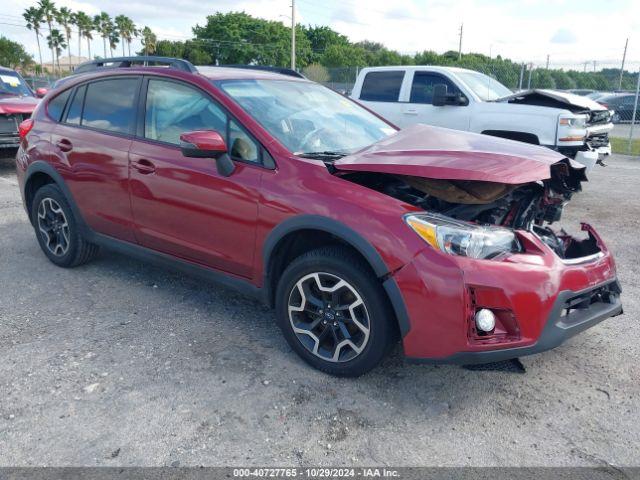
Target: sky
(569,31)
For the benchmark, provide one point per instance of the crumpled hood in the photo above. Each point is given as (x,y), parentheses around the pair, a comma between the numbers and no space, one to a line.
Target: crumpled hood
(9,105)
(570,100)
(441,153)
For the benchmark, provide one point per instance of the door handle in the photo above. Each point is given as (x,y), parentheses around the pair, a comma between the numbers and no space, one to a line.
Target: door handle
(144,166)
(410,111)
(64,145)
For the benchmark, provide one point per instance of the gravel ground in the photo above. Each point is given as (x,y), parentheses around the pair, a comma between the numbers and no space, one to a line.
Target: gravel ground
(120,363)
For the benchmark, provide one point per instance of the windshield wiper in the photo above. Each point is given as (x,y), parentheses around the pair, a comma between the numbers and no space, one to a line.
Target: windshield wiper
(324,155)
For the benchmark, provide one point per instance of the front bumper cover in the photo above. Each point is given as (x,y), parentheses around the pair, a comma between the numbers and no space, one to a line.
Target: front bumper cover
(557,330)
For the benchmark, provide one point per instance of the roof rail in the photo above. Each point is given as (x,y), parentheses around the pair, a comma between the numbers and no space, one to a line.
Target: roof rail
(127,62)
(280,70)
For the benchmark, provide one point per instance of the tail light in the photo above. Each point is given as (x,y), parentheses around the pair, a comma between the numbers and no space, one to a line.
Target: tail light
(25,127)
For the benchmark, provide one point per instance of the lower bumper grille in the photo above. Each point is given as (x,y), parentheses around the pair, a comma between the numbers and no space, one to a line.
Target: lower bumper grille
(9,123)
(598,140)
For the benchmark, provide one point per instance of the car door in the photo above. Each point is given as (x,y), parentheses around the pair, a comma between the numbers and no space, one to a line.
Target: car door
(419,106)
(381,93)
(92,141)
(182,206)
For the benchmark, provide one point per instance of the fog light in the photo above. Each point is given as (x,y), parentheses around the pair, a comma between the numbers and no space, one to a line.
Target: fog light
(485,320)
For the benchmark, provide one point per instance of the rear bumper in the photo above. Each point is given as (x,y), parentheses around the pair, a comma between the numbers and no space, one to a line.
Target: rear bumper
(557,330)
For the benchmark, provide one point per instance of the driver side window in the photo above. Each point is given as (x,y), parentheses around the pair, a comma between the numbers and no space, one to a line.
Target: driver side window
(173,109)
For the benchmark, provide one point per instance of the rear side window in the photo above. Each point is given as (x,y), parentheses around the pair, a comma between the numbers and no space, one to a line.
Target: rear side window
(110,105)
(382,86)
(423,83)
(75,109)
(56,105)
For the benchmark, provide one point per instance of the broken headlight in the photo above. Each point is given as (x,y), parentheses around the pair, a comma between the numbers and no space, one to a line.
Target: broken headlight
(462,238)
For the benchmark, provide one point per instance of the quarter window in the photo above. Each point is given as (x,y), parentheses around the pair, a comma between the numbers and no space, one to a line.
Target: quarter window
(423,83)
(110,105)
(56,105)
(241,146)
(173,109)
(382,86)
(75,109)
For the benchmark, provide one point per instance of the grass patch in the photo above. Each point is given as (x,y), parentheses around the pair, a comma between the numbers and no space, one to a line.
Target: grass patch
(621,145)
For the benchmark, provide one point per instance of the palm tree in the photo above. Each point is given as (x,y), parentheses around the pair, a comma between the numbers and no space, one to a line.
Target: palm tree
(56,43)
(149,40)
(104,27)
(33,16)
(85,26)
(48,9)
(114,38)
(64,17)
(127,30)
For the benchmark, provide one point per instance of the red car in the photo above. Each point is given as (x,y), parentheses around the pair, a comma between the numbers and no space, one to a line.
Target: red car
(358,234)
(17,102)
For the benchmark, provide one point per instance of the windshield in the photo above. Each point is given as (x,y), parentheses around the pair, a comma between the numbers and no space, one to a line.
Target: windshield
(484,86)
(307,117)
(12,84)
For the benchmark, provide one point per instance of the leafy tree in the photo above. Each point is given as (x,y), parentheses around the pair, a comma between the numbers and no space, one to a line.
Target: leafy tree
(562,80)
(542,79)
(65,19)
(320,37)
(13,55)
(428,57)
(344,56)
(33,17)
(189,50)
(239,38)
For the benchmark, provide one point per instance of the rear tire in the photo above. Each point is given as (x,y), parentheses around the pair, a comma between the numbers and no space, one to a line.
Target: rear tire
(334,312)
(57,229)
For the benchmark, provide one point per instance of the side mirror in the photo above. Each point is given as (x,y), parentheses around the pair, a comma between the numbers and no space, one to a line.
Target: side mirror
(41,92)
(439,98)
(207,144)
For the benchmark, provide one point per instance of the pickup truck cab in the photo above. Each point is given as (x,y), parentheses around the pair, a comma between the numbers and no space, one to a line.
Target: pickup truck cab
(467,100)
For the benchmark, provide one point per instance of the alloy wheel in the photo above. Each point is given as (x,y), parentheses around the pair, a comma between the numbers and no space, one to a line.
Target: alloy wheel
(53,226)
(329,317)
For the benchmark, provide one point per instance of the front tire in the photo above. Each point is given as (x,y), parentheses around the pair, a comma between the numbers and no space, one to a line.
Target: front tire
(334,313)
(57,229)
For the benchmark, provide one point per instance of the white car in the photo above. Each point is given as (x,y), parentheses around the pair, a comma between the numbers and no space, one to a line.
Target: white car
(467,100)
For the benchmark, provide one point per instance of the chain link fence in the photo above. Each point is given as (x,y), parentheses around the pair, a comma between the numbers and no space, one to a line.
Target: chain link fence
(599,80)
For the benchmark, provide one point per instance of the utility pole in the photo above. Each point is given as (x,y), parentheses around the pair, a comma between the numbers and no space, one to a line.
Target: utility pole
(624,57)
(547,61)
(460,43)
(293,34)
(594,65)
(585,66)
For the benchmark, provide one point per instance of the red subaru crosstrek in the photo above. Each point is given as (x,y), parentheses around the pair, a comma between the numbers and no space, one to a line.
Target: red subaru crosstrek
(358,234)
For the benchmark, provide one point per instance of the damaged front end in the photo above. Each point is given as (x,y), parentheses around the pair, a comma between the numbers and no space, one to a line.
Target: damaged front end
(520,202)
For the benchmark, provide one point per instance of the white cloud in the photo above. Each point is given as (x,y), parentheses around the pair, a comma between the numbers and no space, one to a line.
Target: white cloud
(570,31)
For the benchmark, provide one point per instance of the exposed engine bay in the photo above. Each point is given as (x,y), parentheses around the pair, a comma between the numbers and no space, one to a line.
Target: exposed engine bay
(530,206)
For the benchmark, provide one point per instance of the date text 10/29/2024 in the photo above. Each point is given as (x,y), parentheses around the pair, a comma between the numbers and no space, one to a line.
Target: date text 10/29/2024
(313,473)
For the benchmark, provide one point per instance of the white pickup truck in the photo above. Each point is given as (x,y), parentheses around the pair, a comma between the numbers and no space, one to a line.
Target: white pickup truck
(467,100)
